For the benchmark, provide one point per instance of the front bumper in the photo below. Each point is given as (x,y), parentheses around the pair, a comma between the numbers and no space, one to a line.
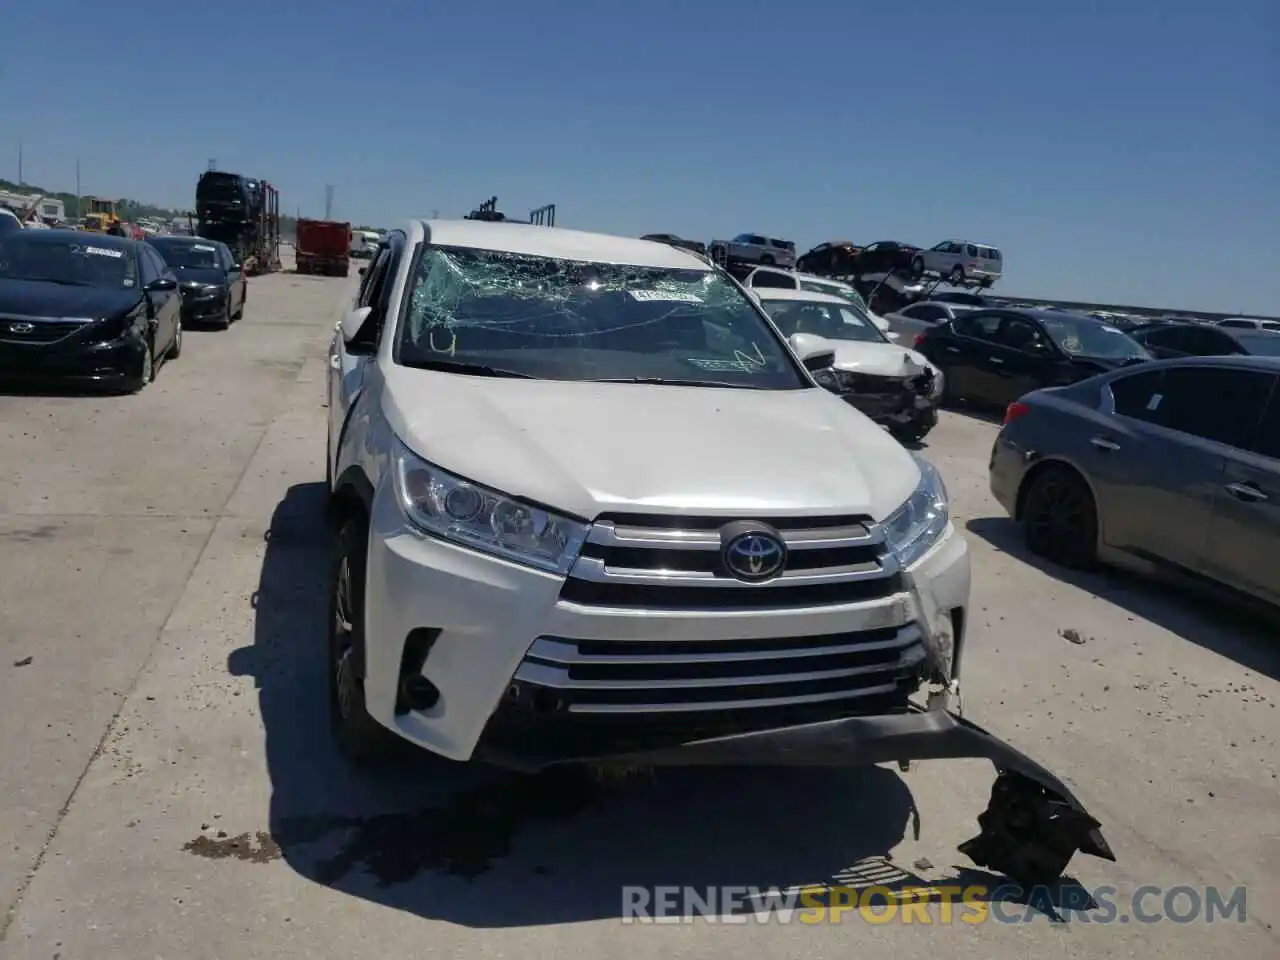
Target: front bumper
(482,618)
(197,307)
(111,363)
(500,629)
(894,404)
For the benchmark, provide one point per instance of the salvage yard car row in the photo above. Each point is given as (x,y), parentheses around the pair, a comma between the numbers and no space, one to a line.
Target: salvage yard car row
(107,311)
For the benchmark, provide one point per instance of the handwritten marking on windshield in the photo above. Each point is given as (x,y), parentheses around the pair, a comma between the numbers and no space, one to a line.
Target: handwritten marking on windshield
(757,361)
(450,349)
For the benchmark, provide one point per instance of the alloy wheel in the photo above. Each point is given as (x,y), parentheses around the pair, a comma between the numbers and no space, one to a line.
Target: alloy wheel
(344,673)
(1060,520)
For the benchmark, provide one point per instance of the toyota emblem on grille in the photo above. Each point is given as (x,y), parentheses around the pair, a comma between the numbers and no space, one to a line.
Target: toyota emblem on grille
(752,552)
(21,327)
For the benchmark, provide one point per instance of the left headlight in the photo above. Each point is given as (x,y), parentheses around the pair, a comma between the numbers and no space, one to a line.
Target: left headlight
(454,509)
(939,383)
(915,527)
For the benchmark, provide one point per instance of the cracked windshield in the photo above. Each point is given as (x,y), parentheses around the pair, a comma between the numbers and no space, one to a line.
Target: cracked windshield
(628,481)
(553,319)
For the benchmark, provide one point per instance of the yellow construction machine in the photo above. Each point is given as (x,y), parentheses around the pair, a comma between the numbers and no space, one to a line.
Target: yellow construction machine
(98,215)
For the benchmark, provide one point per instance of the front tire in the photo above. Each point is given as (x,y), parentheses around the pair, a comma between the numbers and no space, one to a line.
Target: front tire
(1060,518)
(917,268)
(244,299)
(957,276)
(359,737)
(175,351)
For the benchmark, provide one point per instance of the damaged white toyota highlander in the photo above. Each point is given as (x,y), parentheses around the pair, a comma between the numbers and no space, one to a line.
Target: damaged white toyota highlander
(590,507)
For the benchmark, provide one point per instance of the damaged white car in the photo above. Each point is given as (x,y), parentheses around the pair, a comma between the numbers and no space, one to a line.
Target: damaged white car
(893,385)
(590,508)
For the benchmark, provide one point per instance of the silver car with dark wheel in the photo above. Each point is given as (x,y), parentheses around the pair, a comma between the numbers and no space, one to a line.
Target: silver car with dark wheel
(1170,466)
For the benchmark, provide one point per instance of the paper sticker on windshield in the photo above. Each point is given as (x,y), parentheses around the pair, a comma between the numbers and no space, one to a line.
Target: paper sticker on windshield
(104,252)
(723,366)
(664,296)
(201,246)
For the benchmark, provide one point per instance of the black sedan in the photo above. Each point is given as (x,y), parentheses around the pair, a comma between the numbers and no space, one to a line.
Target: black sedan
(996,356)
(213,285)
(85,307)
(1205,340)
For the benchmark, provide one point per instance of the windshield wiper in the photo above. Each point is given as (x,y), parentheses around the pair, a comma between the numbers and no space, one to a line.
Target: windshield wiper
(679,383)
(473,369)
(62,282)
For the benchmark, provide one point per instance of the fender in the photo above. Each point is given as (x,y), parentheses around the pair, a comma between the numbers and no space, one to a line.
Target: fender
(355,482)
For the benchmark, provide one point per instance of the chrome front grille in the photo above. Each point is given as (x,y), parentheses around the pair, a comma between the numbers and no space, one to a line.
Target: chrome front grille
(656,677)
(674,563)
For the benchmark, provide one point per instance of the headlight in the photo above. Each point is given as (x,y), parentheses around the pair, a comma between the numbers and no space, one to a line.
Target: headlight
(935,389)
(826,377)
(453,509)
(915,527)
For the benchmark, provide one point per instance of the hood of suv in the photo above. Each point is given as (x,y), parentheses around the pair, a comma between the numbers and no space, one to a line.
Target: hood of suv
(877,359)
(590,448)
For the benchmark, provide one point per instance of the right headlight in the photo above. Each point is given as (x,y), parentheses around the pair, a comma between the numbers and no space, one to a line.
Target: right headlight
(454,509)
(913,529)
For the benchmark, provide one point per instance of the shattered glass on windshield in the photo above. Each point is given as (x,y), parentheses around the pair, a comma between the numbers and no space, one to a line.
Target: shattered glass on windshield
(559,319)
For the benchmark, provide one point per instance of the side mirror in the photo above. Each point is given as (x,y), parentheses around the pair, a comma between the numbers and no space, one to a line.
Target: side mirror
(892,336)
(161,285)
(352,323)
(235,268)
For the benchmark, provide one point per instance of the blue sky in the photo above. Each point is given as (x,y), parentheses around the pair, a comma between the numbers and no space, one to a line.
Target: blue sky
(1122,151)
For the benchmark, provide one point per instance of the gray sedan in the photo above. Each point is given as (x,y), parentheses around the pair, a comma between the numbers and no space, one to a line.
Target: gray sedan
(1174,464)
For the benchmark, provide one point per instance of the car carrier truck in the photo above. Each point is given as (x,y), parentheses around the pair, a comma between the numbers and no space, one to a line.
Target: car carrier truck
(244,213)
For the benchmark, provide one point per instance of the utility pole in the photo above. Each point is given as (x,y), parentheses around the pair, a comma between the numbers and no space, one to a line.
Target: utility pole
(20,180)
(213,163)
(435,214)
(79,202)
(328,202)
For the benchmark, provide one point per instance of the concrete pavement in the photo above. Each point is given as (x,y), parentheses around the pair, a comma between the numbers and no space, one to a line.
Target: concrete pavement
(170,790)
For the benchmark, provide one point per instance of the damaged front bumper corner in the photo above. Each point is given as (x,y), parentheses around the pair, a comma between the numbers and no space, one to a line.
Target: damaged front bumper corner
(1031,828)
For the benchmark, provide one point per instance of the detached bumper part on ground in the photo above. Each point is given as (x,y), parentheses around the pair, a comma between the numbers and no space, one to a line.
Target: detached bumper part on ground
(1030,830)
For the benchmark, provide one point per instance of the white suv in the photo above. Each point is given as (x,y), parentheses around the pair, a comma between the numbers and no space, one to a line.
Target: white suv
(961,262)
(590,505)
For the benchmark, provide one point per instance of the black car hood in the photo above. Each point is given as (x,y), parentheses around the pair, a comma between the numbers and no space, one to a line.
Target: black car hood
(35,298)
(200,275)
